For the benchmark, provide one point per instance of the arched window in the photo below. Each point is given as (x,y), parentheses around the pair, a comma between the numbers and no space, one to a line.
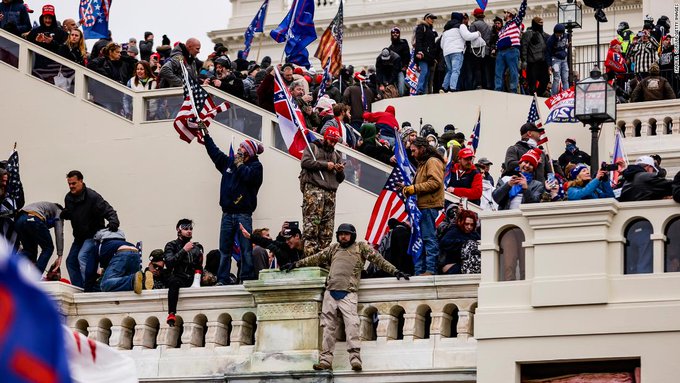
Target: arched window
(672,247)
(638,251)
(511,263)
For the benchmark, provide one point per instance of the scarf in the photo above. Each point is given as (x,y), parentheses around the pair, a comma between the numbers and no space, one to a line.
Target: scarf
(517,189)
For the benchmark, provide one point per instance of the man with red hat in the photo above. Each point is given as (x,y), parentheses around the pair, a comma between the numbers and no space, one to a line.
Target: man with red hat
(520,186)
(466,180)
(322,172)
(14,17)
(48,34)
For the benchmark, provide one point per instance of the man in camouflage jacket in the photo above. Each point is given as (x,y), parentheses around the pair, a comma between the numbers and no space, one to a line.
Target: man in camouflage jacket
(346,259)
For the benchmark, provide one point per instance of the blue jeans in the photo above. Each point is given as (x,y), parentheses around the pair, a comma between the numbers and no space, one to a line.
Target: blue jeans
(454,62)
(423,77)
(507,59)
(120,274)
(428,260)
(560,73)
(33,233)
(81,264)
(229,229)
(401,84)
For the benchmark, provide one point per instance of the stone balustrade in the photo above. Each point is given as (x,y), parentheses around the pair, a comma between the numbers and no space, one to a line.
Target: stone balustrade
(649,118)
(272,326)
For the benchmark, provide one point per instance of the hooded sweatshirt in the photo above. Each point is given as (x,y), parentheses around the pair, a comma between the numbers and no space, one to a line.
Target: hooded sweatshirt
(385,121)
(454,38)
(58,34)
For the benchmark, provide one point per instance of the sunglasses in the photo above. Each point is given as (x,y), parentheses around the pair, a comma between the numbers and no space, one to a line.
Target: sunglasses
(186,227)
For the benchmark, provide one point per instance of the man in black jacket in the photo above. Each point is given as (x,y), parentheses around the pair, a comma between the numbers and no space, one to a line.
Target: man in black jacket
(642,182)
(48,34)
(400,47)
(388,67)
(225,79)
(530,135)
(183,258)
(425,50)
(288,246)
(87,211)
(572,154)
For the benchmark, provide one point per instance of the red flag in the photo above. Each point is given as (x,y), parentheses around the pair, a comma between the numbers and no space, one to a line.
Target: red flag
(291,120)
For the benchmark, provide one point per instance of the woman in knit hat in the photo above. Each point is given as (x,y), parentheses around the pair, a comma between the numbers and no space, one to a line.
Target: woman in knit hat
(520,187)
(583,186)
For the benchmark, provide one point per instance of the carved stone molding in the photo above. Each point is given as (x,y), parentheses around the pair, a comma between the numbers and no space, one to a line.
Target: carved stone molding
(295,310)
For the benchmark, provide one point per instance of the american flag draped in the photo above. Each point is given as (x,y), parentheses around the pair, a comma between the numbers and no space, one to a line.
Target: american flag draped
(12,201)
(535,118)
(390,204)
(95,17)
(195,99)
(330,45)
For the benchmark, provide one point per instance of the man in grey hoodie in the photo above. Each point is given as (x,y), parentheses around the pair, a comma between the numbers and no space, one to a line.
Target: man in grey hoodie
(33,225)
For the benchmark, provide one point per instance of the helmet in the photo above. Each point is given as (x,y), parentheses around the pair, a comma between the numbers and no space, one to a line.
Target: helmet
(347,228)
(623,26)
(224,61)
(426,130)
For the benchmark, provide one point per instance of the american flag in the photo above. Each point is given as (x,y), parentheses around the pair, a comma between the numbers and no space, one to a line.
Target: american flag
(390,204)
(412,73)
(330,45)
(12,202)
(535,118)
(474,137)
(195,98)
(326,76)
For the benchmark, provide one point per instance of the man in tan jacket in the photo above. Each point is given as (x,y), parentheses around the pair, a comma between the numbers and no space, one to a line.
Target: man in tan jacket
(428,187)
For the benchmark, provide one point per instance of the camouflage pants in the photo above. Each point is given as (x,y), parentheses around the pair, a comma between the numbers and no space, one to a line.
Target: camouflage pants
(318,218)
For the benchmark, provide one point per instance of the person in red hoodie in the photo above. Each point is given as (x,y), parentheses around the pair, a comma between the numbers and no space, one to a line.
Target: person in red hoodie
(615,64)
(466,180)
(385,122)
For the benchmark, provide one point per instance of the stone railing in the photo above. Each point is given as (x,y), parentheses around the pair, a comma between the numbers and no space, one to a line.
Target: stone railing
(272,326)
(651,118)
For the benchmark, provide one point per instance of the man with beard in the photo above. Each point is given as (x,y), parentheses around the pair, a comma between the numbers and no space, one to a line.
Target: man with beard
(183,54)
(225,79)
(400,47)
(428,187)
(346,259)
(466,180)
(48,35)
(183,258)
(322,172)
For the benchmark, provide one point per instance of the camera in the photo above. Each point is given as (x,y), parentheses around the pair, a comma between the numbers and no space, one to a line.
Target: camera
(609,167)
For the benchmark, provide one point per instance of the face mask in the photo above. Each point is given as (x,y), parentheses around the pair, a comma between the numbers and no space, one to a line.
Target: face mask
(571,147)
(433,144)
(532,143)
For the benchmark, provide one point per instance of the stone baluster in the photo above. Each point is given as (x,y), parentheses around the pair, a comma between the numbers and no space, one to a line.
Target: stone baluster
(121,337)
(217,334)
(241,333)
(464,326)
(167,337)
(192,336)
(644,128)
(414,326)
(100,334)
(441,325)
(366,332)
(145,337)
(676,126)
(387,327)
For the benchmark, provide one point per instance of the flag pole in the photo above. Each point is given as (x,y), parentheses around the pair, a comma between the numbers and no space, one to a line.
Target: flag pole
(288,34)
(547,146)
(259,43)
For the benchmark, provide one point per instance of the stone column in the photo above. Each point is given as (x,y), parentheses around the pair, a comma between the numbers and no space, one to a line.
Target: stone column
(167,337)
(192,336)
(288,307)
(145,337)
(441,325)
(387,327)
(100,334)
(366,328)
(414,326)
(121,337)
(217,335)
(241,333)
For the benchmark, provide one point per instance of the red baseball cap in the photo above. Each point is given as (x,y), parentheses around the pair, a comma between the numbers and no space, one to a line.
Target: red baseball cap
(466,153)
(332,134)
(48,10)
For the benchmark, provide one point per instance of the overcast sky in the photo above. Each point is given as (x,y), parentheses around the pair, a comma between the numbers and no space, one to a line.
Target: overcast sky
(131,18)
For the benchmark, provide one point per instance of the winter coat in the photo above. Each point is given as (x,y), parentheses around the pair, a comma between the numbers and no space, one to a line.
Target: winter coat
(577,157)
(58,35)
(265,93)
(466,185)
(145,49)
(233,86)
(312,169)
(87,212)
(593,190)
(400,47)
(352,97)
(501,195)
(429,183)
(283,253)
(484,30)
(171,73)
(652,88)
(72,54)
(615,64)
(239,184)
(181,263)
(425,37)
(676,187)
(15,17)
(640,185)
(515,152)
(533,45)
(451,244)
(387,71)
(115,70)
(453,40)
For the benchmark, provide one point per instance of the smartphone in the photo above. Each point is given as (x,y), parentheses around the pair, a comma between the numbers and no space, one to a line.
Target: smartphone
(511,173)
(551,178)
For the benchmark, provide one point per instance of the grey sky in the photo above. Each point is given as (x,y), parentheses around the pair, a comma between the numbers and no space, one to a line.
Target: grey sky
(131,18)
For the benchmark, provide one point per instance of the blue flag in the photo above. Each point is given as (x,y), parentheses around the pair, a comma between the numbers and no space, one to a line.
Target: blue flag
(32,347)
(482,4)
(415,245)
(257,25)
(297,29)
(95,16)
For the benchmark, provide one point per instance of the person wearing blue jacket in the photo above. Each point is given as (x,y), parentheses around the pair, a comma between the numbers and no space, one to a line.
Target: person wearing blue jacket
(584,186)
(557,46)
(241,181)
(14,17)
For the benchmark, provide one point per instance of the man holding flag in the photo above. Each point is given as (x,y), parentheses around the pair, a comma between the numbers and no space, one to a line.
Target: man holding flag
(428,187)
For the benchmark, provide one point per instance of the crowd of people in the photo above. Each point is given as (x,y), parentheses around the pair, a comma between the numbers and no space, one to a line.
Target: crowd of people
(468,55)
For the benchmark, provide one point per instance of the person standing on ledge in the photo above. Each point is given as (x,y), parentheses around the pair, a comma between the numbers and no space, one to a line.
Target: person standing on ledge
(346,259)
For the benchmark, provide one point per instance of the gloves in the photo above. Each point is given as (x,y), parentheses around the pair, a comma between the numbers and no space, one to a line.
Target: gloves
(409,190)
(113,227)
(401,274)
(287,267)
